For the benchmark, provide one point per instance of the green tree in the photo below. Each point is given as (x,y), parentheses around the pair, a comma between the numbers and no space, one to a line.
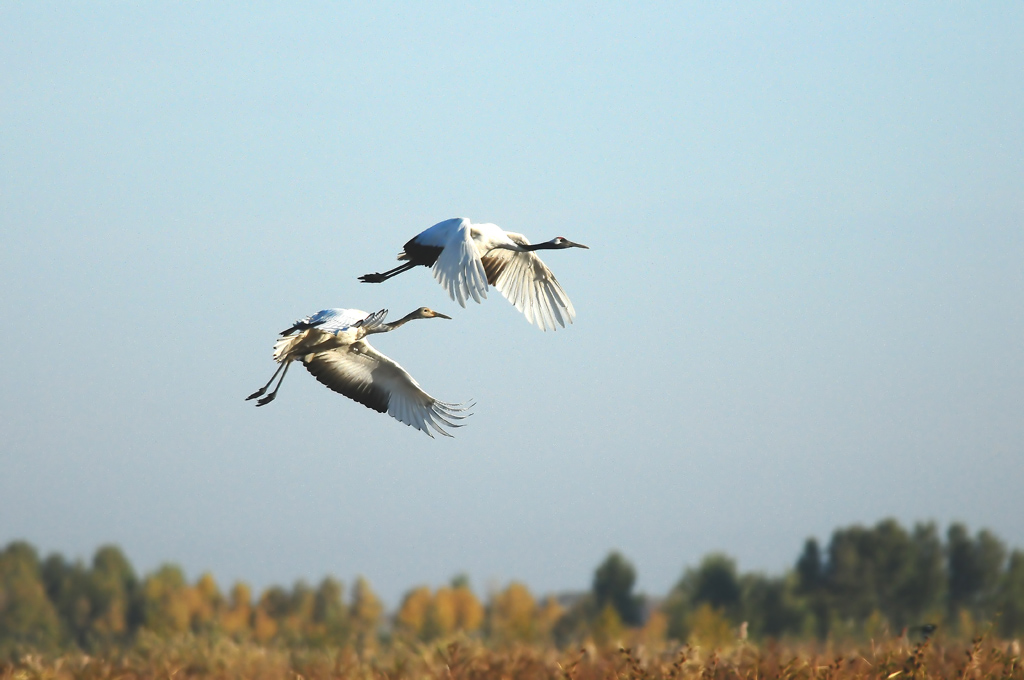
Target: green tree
(67,587)
(809,567)
(975,568)
(717,584)
(330,615)
(921,594)
(28,620)
(810,578)
(771,606)
(114,591)
(713,583)
(613,585)
(164,601)
(850,574)
(1011,597)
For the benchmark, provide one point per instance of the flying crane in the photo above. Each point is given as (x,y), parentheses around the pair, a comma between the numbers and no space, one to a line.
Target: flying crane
(467,257)
(332,345)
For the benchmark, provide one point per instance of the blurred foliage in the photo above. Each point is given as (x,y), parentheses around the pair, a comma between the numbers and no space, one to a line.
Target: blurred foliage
(867,583)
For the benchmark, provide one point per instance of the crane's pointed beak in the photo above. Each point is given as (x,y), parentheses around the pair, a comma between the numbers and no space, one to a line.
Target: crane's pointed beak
(442,316)
(578,245)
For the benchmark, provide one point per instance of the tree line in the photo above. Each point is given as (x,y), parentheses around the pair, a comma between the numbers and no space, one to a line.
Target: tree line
(867,581)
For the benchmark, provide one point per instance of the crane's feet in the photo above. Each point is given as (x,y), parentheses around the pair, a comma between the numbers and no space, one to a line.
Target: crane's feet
(257,393)
(267,399)
(373,278)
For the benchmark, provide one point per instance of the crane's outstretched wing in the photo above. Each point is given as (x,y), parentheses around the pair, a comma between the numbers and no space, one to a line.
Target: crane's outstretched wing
(527,283)
(363,374)
(458,268)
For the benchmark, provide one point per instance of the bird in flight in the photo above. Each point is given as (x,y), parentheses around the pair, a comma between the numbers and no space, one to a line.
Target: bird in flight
(466,258)
(332,345)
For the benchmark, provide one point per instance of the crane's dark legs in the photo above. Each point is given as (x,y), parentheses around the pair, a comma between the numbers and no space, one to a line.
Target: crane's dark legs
(260,391)
(270,397)
(384,276)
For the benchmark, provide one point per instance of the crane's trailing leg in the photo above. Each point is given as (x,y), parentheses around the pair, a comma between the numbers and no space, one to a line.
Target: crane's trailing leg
(270,397)
(384,276)
(261,391)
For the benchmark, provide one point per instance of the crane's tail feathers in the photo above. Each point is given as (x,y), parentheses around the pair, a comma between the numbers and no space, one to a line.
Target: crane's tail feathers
(284,345)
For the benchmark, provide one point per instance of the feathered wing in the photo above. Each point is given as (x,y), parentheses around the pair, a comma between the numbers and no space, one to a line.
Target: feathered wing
(328,320)
(458,268)
(363,374)
(334,320)
(527,283)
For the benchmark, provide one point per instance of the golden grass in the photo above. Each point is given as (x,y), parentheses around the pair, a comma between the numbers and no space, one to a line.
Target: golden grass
(464,659)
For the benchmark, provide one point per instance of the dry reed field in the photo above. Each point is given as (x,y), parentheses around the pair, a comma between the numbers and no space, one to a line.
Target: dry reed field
(199,658)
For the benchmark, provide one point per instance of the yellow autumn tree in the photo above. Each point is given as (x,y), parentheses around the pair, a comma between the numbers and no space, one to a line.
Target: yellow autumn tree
(364,616)
(411,618)
(441,613)
(204,603)
(296,616)
(236,616)
(271,609)
(513,614)
(469,612)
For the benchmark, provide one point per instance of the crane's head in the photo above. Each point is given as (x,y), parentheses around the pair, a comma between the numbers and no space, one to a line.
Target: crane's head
(561,242)
(428,313)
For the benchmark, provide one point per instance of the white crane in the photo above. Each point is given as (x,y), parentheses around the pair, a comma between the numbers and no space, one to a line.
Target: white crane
(466,257)
(332,346)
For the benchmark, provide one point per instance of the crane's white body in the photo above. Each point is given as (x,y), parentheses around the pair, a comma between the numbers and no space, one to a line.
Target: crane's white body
(474,254)
(332,345)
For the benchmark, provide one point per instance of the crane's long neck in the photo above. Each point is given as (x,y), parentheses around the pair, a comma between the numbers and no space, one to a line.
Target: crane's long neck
(519,248)
(385,327)
(537,246)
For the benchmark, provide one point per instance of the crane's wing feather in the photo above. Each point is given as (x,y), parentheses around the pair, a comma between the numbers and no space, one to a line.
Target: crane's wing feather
(363,374)
(526,282)
(458,268)
(334,320)
(330,320)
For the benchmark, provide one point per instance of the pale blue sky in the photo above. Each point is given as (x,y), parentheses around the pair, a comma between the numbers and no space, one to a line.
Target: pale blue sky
(802,307)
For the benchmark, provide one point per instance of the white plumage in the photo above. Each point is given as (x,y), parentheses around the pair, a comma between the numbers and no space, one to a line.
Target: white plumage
(331,345)
(467,258)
